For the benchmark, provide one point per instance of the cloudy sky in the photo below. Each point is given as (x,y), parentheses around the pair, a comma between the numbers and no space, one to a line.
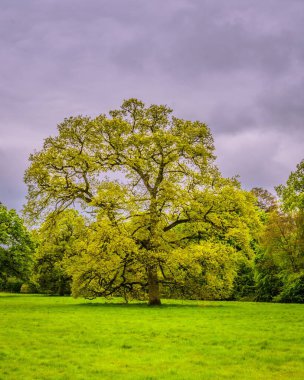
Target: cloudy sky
(237,65)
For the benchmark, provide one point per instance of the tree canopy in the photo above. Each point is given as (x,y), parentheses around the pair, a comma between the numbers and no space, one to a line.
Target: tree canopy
(16,247)
(280,266)
(168,195)
(265,200)
(292,194)
(55,241)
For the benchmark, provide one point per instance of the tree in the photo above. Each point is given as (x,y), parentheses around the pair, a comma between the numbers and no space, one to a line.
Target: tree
(280,268)
(16,247)
(282,263)
(55,245)
(292,194)
(255,277)
(168,194)
(265,200)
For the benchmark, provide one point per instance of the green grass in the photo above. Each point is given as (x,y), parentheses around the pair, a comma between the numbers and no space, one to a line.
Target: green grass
(62,338)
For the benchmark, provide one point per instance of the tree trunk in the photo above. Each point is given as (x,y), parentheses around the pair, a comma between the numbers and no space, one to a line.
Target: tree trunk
(61,287)
(153,287)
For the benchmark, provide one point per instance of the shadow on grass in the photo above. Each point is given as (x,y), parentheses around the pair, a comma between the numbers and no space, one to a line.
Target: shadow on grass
(21,295)
(99,303)
(143,305)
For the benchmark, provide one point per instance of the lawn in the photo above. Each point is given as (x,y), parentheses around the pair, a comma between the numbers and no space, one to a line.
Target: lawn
(63,338)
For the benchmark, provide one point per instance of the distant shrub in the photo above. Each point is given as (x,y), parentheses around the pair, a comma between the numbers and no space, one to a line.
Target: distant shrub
(293,289)
(27,289)
(12,285)
(244,284)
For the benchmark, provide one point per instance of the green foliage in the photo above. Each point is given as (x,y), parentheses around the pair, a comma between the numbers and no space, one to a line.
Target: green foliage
(16,248)
(244,282)
(281,264)
(292,289)
(201,271)
(55,244)
(108,262)
(292,194)
(12,285)
(265,200)
(28,288)
(267,277)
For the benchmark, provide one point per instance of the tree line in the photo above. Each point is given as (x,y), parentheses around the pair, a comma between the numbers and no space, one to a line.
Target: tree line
(131,204)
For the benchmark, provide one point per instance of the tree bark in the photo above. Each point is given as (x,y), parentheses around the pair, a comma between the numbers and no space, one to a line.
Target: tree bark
(153,287)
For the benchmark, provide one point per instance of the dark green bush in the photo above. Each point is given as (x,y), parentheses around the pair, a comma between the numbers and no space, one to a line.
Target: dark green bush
(12,285)
(293,289)
(28,288)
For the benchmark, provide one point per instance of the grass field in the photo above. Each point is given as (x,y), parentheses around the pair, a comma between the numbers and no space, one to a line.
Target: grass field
(62,338)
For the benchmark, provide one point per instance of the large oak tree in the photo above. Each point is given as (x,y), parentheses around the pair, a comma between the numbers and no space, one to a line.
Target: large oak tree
(167,194)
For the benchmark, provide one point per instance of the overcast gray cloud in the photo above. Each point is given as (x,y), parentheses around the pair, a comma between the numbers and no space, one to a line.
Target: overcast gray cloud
(236,65)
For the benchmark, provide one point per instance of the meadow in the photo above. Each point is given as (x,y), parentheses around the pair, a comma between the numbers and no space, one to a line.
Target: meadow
(45,337)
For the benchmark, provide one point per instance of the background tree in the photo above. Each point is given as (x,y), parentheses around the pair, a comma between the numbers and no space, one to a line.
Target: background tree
(280,266)
(246,280)
(265,200)
(169,194)
(292,194)
(16,247)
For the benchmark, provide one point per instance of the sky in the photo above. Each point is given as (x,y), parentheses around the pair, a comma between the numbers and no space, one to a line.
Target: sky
(236,65)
